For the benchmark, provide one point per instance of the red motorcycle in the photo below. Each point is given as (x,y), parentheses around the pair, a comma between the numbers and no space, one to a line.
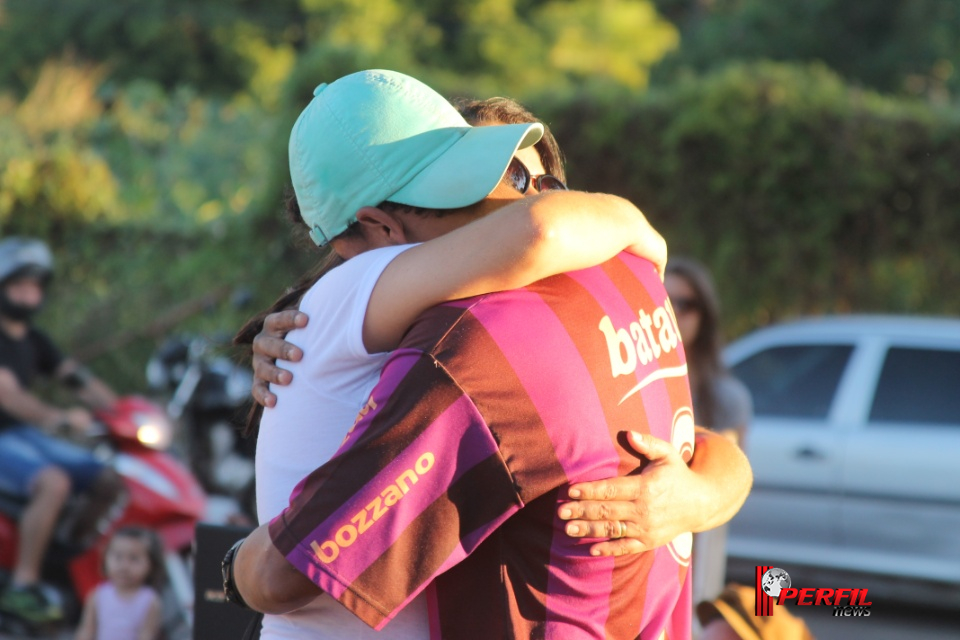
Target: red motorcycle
(160,493)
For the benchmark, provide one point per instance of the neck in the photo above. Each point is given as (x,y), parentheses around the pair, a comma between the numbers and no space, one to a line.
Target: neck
(14,328)
(424,228)
(127,589)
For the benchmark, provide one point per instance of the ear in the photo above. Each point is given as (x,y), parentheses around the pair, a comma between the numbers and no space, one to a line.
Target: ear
(381,229)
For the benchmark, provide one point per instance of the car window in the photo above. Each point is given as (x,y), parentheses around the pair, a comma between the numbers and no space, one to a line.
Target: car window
(918,385)
(794,381)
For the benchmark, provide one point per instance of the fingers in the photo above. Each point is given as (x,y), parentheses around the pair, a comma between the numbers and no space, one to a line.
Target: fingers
(274,348)
(597,510)
(268,347)
(660,256)
(650,446)
(262,395)
(622,547)
(280,323)
(614,529)
(609,489)
(624,537)
(266,372)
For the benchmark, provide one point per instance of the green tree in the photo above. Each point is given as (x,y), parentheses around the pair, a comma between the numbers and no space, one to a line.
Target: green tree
(901,46)
(171,42)
(510,46)
(48,172)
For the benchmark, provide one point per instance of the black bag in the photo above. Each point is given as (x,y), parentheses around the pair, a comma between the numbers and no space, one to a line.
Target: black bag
(213,617)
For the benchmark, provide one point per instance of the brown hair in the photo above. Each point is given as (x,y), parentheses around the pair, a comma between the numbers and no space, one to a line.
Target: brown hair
(508,111)
(476,112)
(704,353)
(157,575)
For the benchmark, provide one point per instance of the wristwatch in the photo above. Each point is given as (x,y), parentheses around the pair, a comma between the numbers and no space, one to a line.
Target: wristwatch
(226,570)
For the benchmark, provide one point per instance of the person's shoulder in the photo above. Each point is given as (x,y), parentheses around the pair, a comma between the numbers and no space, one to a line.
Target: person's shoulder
(434,327)
(732,394)
(729,384)
(37,334)
(101,589)
(369,264)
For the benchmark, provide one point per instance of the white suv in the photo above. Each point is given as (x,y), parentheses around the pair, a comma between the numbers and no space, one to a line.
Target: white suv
(855,446)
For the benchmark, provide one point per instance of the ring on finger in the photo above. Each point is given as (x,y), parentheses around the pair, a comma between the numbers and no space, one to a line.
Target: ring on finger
(621,530)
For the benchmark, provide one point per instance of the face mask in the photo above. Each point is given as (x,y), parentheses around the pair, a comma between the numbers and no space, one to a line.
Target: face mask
(17,312)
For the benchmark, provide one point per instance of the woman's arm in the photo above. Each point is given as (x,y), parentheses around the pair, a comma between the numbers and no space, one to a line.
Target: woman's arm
(523,242)
(666,499)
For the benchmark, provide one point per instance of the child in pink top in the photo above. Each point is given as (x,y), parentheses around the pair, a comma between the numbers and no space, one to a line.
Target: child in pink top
(127,605)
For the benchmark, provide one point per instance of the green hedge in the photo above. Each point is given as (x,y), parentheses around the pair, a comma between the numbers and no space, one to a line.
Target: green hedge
(804,195)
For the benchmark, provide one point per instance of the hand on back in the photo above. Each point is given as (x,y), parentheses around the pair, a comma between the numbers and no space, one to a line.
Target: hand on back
(270,346)
(646,504)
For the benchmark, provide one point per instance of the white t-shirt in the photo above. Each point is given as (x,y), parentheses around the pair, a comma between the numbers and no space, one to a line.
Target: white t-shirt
(311,419)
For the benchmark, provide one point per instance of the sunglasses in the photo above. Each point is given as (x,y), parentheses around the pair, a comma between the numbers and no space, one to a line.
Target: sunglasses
(685,305)
(520,178)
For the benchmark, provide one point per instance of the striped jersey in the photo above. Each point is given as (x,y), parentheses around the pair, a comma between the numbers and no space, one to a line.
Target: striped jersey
(452,475)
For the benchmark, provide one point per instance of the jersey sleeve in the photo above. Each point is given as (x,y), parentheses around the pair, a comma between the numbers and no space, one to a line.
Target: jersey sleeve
(49,357)
(417,485)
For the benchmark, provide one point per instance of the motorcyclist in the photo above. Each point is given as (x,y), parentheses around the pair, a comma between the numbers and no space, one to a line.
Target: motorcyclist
(37,467)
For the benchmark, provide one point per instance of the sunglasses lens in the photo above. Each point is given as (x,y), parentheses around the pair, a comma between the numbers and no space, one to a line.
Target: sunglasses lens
(518,175)
(547,182)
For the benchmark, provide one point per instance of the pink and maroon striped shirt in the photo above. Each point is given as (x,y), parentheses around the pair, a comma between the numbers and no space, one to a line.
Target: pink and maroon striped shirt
(451,477)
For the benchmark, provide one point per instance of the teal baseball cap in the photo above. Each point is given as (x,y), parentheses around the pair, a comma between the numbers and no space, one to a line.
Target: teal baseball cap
(379,135)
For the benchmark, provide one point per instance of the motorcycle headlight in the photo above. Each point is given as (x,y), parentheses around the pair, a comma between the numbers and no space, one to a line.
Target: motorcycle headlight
(154,430)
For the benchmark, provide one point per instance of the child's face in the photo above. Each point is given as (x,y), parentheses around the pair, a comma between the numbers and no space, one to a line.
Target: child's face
(127,562)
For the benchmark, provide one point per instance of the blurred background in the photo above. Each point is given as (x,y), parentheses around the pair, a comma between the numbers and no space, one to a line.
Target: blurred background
(805,150)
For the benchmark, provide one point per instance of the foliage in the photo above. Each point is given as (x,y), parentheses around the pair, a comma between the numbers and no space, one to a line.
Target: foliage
(146,141)
(119,290)
(203,43)
(803,194)
(225,46)
(902,46)
(69,153)
(45,163)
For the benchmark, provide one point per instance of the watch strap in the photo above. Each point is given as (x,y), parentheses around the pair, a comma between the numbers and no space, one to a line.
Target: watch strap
(229,584)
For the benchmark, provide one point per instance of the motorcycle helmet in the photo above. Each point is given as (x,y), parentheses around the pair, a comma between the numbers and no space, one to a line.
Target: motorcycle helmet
(21,257)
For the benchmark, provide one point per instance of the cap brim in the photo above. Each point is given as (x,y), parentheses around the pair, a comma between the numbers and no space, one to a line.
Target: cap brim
(470,169)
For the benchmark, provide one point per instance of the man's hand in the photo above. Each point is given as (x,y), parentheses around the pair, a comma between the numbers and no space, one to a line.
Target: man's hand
(657,505)
(78,419)
(270,346)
